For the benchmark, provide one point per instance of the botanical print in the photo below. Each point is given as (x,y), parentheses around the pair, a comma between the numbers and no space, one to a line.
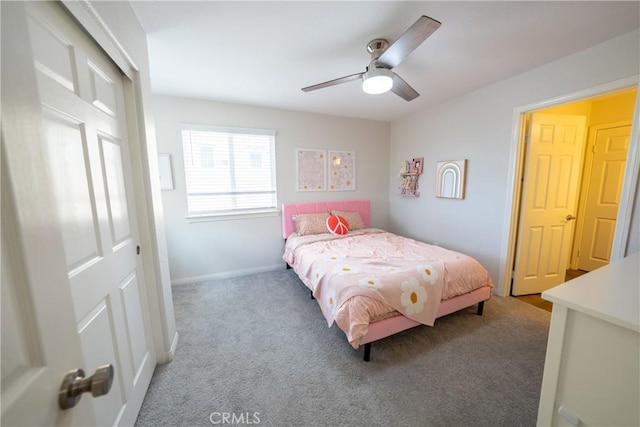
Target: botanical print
(342,170)
(316,277)
(413,296)
(312,166)
(429,273)
(370,282)
(331,302)
(345,269)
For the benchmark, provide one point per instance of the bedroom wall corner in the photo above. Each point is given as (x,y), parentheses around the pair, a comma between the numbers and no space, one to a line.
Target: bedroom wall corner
(478,127)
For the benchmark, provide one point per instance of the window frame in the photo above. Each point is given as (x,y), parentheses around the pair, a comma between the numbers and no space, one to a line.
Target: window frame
(240,213)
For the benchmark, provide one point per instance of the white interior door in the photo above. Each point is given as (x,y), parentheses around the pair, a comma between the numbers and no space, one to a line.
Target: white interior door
(69,195)
(603,196)
(549,199)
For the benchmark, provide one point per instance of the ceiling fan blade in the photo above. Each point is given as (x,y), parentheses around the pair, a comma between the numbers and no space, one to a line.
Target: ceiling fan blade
(408,41)
(402,89)
(333,82)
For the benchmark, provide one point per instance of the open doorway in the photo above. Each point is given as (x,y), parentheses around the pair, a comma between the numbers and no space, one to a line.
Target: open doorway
(589,226)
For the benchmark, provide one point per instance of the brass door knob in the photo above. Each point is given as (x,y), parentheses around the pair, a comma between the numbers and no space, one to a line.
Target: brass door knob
(570,217)
(74,384)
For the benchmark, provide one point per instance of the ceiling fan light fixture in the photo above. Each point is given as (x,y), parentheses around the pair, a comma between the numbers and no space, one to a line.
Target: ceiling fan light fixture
(377,80)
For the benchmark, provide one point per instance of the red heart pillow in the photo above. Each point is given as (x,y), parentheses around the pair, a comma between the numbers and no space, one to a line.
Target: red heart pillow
(337,225)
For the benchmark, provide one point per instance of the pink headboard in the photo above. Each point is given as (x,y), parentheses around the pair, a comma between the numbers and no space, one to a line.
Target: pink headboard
(291,209)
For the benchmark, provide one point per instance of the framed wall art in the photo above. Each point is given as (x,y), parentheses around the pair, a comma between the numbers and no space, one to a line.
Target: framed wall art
(450,179)
(416,165)
(311,169)
(342,170)
(164,169)
(410,171)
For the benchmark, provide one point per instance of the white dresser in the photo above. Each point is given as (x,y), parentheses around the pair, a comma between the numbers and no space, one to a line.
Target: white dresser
(592,368)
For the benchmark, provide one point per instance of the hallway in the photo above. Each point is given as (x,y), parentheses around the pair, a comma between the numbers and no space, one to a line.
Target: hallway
(536,299)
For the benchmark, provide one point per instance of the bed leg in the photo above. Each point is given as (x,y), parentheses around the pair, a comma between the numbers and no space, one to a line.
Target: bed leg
(480,308)
(367,352)
(311,294)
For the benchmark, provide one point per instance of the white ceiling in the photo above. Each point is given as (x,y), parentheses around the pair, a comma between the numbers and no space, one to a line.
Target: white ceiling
(263,53)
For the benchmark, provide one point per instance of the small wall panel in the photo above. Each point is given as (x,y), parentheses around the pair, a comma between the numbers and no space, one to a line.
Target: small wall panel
(612,176)
(103,91)
(546,134)
(556,236)
(20,348)
(99,348)
(541,179)
(603,239)
(73,189)
(532,255)
(569,136)
(54,56)
(563,182)
(617,144)
(130,294)
(116,191)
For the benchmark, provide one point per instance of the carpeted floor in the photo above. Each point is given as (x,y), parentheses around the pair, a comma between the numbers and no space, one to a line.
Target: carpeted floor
(256,350)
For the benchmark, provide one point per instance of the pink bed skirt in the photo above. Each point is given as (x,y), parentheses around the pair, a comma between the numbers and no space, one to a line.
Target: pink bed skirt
(393,325)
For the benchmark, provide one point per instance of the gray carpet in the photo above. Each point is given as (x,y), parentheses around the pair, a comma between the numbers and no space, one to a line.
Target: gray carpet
(258,349)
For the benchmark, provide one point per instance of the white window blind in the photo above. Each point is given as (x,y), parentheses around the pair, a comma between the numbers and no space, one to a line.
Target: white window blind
(229,170)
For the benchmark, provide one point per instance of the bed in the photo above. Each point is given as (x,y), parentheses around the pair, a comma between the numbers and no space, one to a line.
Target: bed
(372,283)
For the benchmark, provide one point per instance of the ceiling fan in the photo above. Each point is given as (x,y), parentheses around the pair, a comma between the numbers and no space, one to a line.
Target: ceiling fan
(378,77)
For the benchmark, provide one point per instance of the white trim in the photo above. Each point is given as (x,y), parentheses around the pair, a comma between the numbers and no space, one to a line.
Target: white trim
(227,129)
(232,216)
(90,20)
(226,275)
(107,31)
(507,252)
(625,208)
(169,355)
(515,168)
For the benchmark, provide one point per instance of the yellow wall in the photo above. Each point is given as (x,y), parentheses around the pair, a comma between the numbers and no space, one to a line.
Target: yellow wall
(580,108)
(610,108)
(613,108)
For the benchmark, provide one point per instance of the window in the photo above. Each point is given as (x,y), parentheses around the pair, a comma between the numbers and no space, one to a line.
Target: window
(229,170)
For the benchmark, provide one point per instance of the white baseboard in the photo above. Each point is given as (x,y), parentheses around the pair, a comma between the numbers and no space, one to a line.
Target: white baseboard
(227,274)
(169,355)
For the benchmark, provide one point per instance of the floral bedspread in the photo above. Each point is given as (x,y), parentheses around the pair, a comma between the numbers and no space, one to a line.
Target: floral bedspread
(399,272)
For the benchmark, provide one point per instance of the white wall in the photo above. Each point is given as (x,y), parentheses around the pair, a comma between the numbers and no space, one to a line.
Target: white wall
(205,250)
(479,127)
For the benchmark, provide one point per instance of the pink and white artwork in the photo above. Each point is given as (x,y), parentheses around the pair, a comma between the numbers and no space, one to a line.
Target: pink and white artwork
(342,170)
(311,169)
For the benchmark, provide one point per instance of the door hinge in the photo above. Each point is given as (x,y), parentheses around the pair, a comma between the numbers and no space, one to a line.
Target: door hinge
(593,148)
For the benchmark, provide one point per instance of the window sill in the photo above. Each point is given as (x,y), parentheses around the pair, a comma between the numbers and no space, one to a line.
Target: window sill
(231,216)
